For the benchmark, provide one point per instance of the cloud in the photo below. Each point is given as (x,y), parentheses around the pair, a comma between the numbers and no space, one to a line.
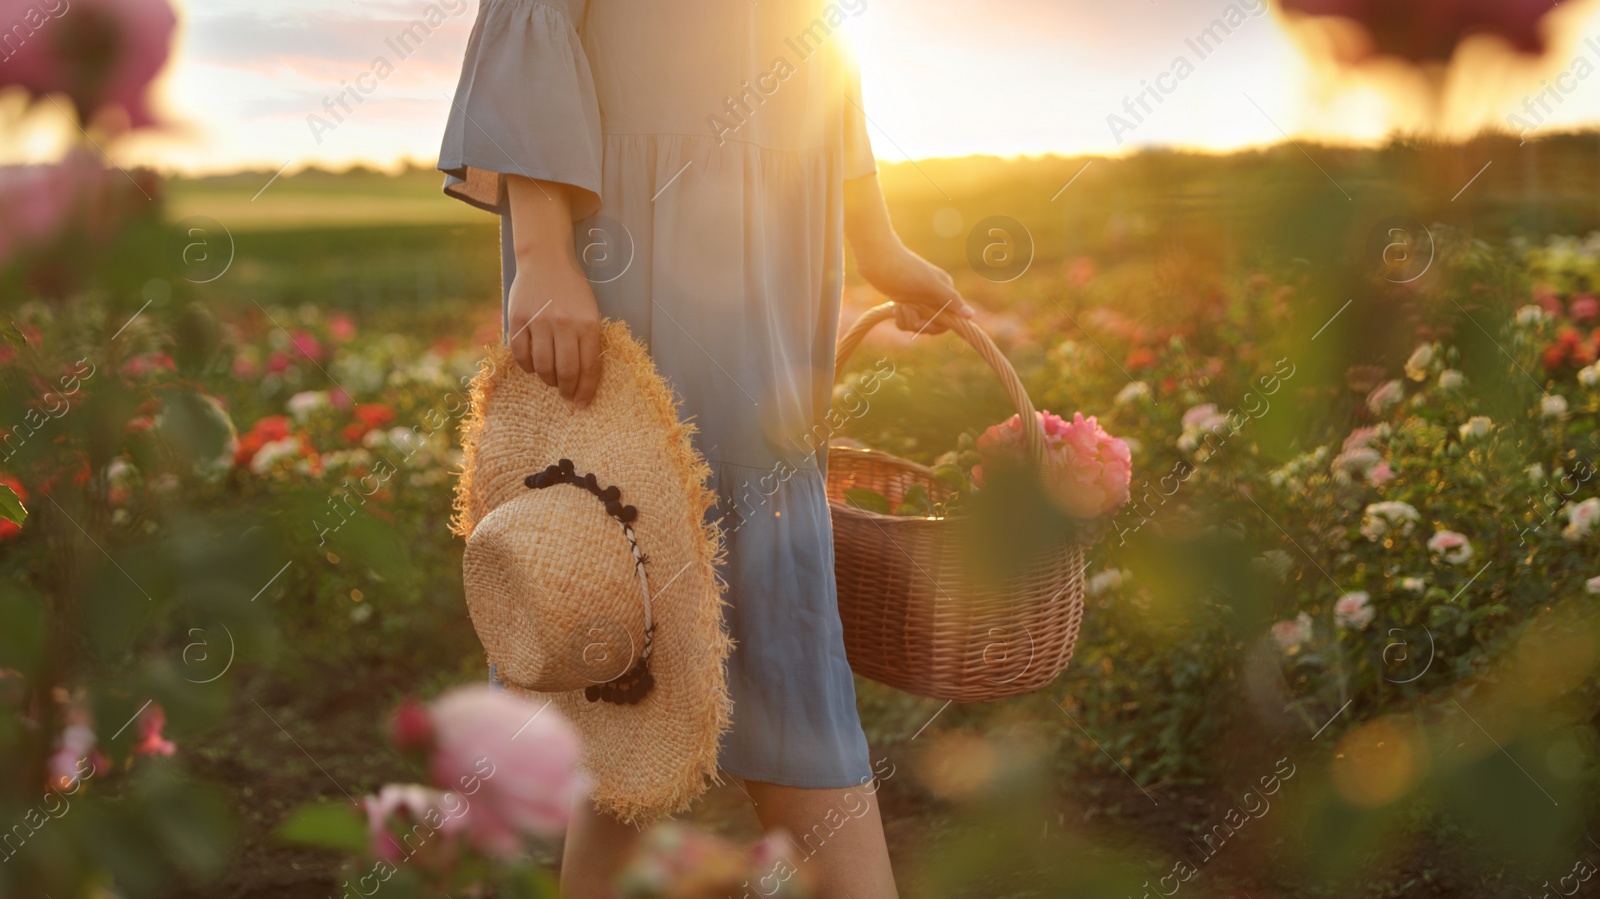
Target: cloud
(323,43)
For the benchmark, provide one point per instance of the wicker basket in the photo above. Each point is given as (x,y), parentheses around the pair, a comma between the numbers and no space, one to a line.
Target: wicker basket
(914,617)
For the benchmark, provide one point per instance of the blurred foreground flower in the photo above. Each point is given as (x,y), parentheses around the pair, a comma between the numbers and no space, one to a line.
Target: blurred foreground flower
(1430,30)
(394,816)
(100,53)
(40,202)
(516,763)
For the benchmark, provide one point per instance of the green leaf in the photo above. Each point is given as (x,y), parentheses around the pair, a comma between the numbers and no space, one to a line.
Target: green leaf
(952,475)
(329,825)
(915,502)
(12,335)
(11,507)
(871,500)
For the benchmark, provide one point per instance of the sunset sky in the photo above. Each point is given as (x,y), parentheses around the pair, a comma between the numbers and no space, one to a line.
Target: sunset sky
(942,77)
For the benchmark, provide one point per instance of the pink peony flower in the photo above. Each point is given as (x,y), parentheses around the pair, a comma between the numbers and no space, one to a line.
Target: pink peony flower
(1451,546)
(1087,470)
(1354,610)
(514,761)
(100,53)
(1585,308)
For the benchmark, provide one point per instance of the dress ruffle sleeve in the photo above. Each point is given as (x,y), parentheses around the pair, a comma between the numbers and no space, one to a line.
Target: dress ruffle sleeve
(858,160)
(525,105)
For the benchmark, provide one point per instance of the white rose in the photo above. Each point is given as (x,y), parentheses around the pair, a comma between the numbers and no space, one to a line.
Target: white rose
(1554,405)
(1477,427)
(1450,379)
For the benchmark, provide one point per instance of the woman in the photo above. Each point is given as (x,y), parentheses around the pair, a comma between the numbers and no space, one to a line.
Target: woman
(713,154)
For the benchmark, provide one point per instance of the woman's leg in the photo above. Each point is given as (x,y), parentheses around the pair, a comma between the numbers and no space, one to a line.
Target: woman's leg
(597,848)
(838,837)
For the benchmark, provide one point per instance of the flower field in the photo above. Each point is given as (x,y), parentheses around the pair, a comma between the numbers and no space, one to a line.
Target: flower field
(1355,579)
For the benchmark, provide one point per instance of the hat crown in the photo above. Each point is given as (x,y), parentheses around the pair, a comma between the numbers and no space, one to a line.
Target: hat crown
(550,584)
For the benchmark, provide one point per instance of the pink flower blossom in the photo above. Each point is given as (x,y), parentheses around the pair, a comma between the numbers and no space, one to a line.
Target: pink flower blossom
(1087,470)
(516,762)
(100,53)
(151,742)
(1380,475)
(1451,546)
(1385,397)
(341,328)
(1584,308)
(278,362)
(307,343)
(1362,437)
(39,202)
(1354,610)
(1291,634)
(408,805)
(76,750)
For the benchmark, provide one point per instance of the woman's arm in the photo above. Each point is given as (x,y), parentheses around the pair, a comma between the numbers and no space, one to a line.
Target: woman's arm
(919,288)
(554,323)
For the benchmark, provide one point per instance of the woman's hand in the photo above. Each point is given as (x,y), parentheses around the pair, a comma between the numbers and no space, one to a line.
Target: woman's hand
(555,328)
(919,289)
(552,318)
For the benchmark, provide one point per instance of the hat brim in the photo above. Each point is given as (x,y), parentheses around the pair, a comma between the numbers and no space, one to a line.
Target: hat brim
(656,757)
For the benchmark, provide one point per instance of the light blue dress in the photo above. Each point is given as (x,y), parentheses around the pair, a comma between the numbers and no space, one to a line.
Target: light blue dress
(709,141)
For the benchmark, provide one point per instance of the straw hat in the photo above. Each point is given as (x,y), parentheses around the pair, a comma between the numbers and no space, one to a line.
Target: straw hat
(590,571)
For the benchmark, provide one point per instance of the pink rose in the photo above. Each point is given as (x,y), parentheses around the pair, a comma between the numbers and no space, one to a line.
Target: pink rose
(1087,470)
(1585,308)
(515,762)
(100,53)
(406,806)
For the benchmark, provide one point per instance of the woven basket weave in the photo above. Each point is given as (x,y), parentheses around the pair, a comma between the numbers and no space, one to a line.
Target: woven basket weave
(915,617)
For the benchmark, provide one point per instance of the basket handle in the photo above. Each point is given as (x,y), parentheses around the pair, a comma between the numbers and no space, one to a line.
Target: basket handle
(1033,437)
